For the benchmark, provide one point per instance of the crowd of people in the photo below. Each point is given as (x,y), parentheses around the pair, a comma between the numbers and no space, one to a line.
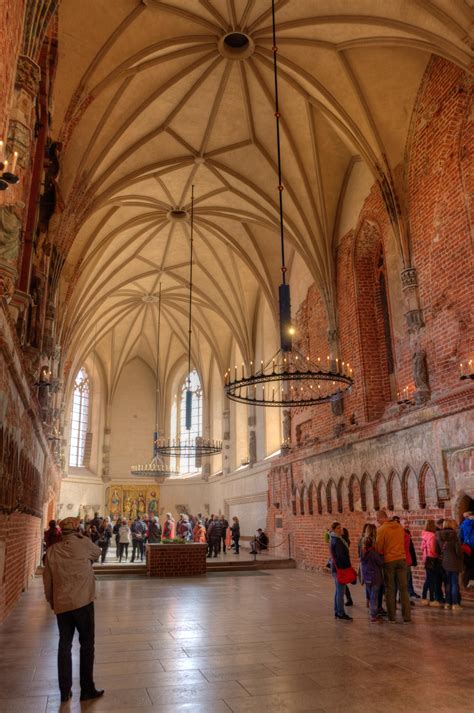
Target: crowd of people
(387,555)
(214,530)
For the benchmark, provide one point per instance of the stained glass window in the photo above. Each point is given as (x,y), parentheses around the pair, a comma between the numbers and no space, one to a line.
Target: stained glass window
(79,419)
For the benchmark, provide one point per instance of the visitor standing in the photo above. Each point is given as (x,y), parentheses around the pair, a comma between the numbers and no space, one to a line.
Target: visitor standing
(105,535)
(116,533)
(466,535)
(225,525)
(371,563)
(340,559)
(390,543)
(235,534)
(199,532)
(169,527)
(52,534)
(451,562)
(431,562)
(124,540)
(154,531)
(138,529)
(214,536)
(69,588)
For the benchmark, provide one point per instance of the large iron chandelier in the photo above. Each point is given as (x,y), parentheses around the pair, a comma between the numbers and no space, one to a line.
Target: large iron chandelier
(156,468)
(289,378)
(188,446)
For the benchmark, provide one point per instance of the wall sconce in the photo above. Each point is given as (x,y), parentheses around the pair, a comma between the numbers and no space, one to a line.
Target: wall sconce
(8,176)
(466,370)
(405,397)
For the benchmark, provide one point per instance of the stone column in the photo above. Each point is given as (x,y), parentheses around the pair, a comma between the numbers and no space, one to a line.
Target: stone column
(414,314)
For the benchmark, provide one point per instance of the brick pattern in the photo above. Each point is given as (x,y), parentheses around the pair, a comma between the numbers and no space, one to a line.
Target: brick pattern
(176,560)
(21,537)
(305,495)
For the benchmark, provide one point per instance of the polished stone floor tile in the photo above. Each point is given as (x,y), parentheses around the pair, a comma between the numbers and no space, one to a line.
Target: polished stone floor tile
(239,644)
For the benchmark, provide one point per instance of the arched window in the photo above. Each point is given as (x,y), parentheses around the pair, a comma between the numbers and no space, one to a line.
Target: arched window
(79,419)
(188,464)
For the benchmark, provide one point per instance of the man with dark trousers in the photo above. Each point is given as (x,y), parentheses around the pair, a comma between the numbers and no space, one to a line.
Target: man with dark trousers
(214,536)
(69,587)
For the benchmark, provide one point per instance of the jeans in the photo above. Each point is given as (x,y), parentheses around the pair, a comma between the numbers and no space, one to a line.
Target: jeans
(123,549)
(373,592)
(236,543)
(214,546)
(452,588)
(104,552)
(339,597)
(137,549)
(83,620)
(431,585)
(395,574)
(411,588)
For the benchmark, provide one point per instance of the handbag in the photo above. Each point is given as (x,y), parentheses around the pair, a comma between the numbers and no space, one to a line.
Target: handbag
(348,575)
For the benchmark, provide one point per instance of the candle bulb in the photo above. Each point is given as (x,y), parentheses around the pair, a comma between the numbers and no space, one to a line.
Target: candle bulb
(243,374)
(15,158)
(2,155)
(251,368)
(273,394)
(461,369)
(235,373)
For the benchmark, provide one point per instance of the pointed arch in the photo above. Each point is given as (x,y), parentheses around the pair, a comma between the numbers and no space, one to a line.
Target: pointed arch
(380,491)
(341,494)
(331,495)
(294,499)
(79,419)
(322,499)
(410,490)
(302,499)
(355,501)
(428,491)
(394,492)
(367,493)
(311,495)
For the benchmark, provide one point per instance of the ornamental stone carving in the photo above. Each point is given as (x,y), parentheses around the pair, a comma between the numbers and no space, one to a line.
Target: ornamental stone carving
(28,75)
(414,319)
(409,278)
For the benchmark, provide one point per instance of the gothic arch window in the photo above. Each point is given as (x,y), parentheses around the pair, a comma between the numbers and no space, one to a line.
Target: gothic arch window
(188,464)
(79,419)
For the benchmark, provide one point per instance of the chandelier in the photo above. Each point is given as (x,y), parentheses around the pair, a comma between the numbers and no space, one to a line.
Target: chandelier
(155,469)
(188,446)
(289,378)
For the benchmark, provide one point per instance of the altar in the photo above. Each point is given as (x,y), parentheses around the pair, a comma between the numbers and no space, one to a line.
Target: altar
(132,500)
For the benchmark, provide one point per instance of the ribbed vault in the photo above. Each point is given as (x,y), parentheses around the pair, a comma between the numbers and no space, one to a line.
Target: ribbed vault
(150,100)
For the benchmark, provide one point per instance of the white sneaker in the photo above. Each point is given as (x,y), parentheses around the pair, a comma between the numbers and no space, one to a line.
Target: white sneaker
(470,584)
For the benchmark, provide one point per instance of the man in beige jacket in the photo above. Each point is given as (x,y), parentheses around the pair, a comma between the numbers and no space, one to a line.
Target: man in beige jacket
(69,587)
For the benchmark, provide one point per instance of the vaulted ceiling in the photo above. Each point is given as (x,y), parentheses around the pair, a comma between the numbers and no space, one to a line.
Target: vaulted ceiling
(150,99)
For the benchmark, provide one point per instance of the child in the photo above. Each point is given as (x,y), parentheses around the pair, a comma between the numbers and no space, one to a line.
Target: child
(371,563)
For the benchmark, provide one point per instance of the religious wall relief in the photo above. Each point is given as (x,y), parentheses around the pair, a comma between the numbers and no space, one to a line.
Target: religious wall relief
(130,501)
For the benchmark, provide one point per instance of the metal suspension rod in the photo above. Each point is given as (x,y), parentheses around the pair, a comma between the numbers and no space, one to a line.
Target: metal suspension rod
(277,117)
(190,281)
(157,373)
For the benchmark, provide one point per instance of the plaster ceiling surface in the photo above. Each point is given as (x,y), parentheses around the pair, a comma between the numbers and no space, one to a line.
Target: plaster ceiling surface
(149,101)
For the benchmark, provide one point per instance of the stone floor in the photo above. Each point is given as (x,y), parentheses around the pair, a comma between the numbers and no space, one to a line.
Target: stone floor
(259,641)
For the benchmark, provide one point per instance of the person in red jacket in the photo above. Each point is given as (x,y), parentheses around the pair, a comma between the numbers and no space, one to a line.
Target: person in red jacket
(52,534)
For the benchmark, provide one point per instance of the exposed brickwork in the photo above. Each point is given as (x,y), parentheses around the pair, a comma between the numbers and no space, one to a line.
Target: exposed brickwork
(11,22)
(377,454)
(176,560)
(20,535)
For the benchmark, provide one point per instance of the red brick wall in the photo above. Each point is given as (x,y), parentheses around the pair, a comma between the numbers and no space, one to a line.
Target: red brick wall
(21,536)
(176,560)
(349,473)
(11,24)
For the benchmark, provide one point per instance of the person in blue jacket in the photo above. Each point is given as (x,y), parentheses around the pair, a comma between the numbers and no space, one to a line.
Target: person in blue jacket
(466,535)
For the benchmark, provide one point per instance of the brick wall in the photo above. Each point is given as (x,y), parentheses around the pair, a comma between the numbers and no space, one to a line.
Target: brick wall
(378,454)
(176,560)
(20,536)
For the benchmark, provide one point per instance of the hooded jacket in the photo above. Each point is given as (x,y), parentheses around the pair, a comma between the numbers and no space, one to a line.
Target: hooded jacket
(466,531)
(429,547)
(451,553)
(371,563)
(390,541)
(68,577)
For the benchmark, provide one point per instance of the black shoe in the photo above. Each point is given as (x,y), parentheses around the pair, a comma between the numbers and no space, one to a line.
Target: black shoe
(252,552)
(349,603)
(66,697)
(93,694)
(381,612)
(345,617)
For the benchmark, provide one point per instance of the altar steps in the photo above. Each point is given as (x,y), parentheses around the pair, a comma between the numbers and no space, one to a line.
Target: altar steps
(139,570)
